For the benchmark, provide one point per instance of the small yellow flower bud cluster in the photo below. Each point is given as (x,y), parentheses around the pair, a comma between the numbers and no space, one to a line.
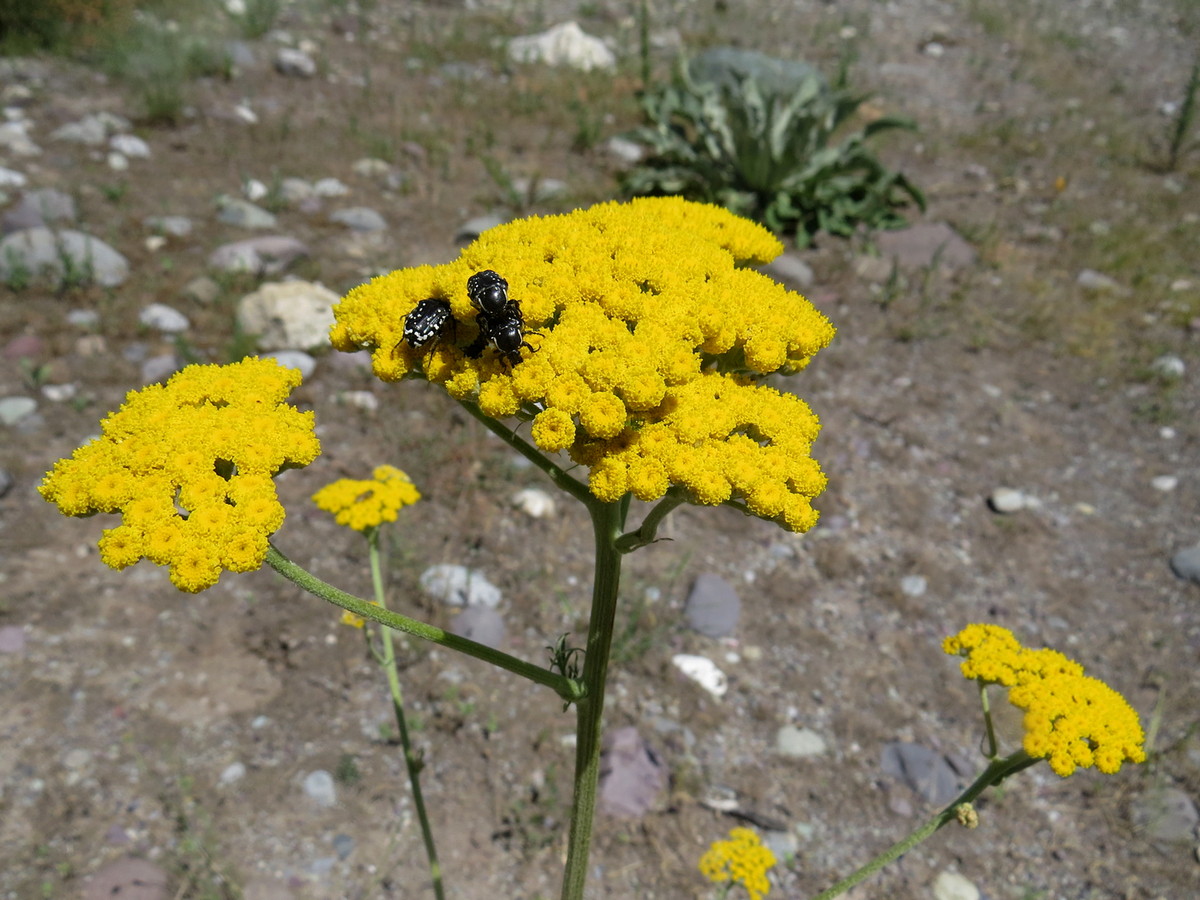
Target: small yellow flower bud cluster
(367,504)
(651,344)
(1071,720)
(742,859)
(189,465)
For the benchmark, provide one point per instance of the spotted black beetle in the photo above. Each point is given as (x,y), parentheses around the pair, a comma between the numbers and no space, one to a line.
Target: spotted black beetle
(489,293)
(430,319)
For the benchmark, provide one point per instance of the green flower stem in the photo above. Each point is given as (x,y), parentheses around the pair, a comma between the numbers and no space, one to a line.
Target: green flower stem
(985,704)
(412,762)
(996,772)
(647,532)
(607,522)
(569,690)
(556,473)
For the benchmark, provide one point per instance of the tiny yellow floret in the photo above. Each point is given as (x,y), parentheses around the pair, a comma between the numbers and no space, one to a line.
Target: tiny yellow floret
(643,318)
(189,465)
(1071,720)
(361,504)
(742,860)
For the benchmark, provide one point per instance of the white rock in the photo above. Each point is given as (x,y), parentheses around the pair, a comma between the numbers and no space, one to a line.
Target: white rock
(459,586)
(703,671)
(534,503)
(245,113)
(232,773)
(1007,500)
(364,400)
(254,189)
(59,393)
(798,742)
(11,178)
(564,44)
(1164,483)
(129,145)
(1168,366)
(288,315)
(330,187)
(163,318)
(117,161)
(952,886)
(319,787)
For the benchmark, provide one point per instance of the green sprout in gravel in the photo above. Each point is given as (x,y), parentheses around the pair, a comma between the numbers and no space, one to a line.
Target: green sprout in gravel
(757,136)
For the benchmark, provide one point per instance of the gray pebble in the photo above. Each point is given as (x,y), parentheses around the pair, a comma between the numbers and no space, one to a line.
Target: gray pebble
(86,319)
(12,639)
(1007,500)
(926,772)
(156,368)
(473,228)
(232,773)
(359,218)
(798,743)
(163,318)
(1165,815)
(481,624)
(1185,564)
(319,787)
(631,774)
(176,226)
(294,63)
(243,213)
(713,606)
(790,268)
(261,256)
(1168,367)
(59,254)
(330,187)
(914,585)
(295,359)
(14,409)
(1097,283)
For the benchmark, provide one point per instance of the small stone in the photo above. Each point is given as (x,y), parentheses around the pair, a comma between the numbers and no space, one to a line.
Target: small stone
(202,290)
(952,886)
(1007,500)
(175,226)
(928,773)
(129,145)
(260,256)
(163,318)
(330,187)
(1097,283)
(1164,483)
(293,315)
(243,214)
(129,879)
(11,178)
(1164,815)
(624,150)
(294,63)
(481,624)
(156,368)
(319,787)
(713,606)
(12,638)
(1169,367)
(798,743)
(59,393)
(914,585)
(791,268)
(359,218)
(459,586)
(631,774)
(232,773)
(473,228)
(703,671)
(254,190)
(14,409)
(564,44)
(370,167)
(295,359)
(364,400)
(343,845)
(534,503)
(1185,564)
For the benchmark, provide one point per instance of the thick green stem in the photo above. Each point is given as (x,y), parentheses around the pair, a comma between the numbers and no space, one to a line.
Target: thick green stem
(412,762)
(564,687)
(996,772)
(607,522)
(647,532)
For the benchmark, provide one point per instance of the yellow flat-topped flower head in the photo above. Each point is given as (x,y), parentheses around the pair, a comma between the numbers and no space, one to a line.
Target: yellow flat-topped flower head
(650,343)
(364,504)
(1071,720)
(189,465)
(740,860)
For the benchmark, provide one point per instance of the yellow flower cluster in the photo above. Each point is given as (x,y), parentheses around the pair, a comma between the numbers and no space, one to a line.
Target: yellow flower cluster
(652,342)
(367,504)
(1071,720)
(742,859)
(189,465)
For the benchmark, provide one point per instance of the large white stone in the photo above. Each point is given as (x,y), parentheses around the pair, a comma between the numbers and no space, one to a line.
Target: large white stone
(288,315)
